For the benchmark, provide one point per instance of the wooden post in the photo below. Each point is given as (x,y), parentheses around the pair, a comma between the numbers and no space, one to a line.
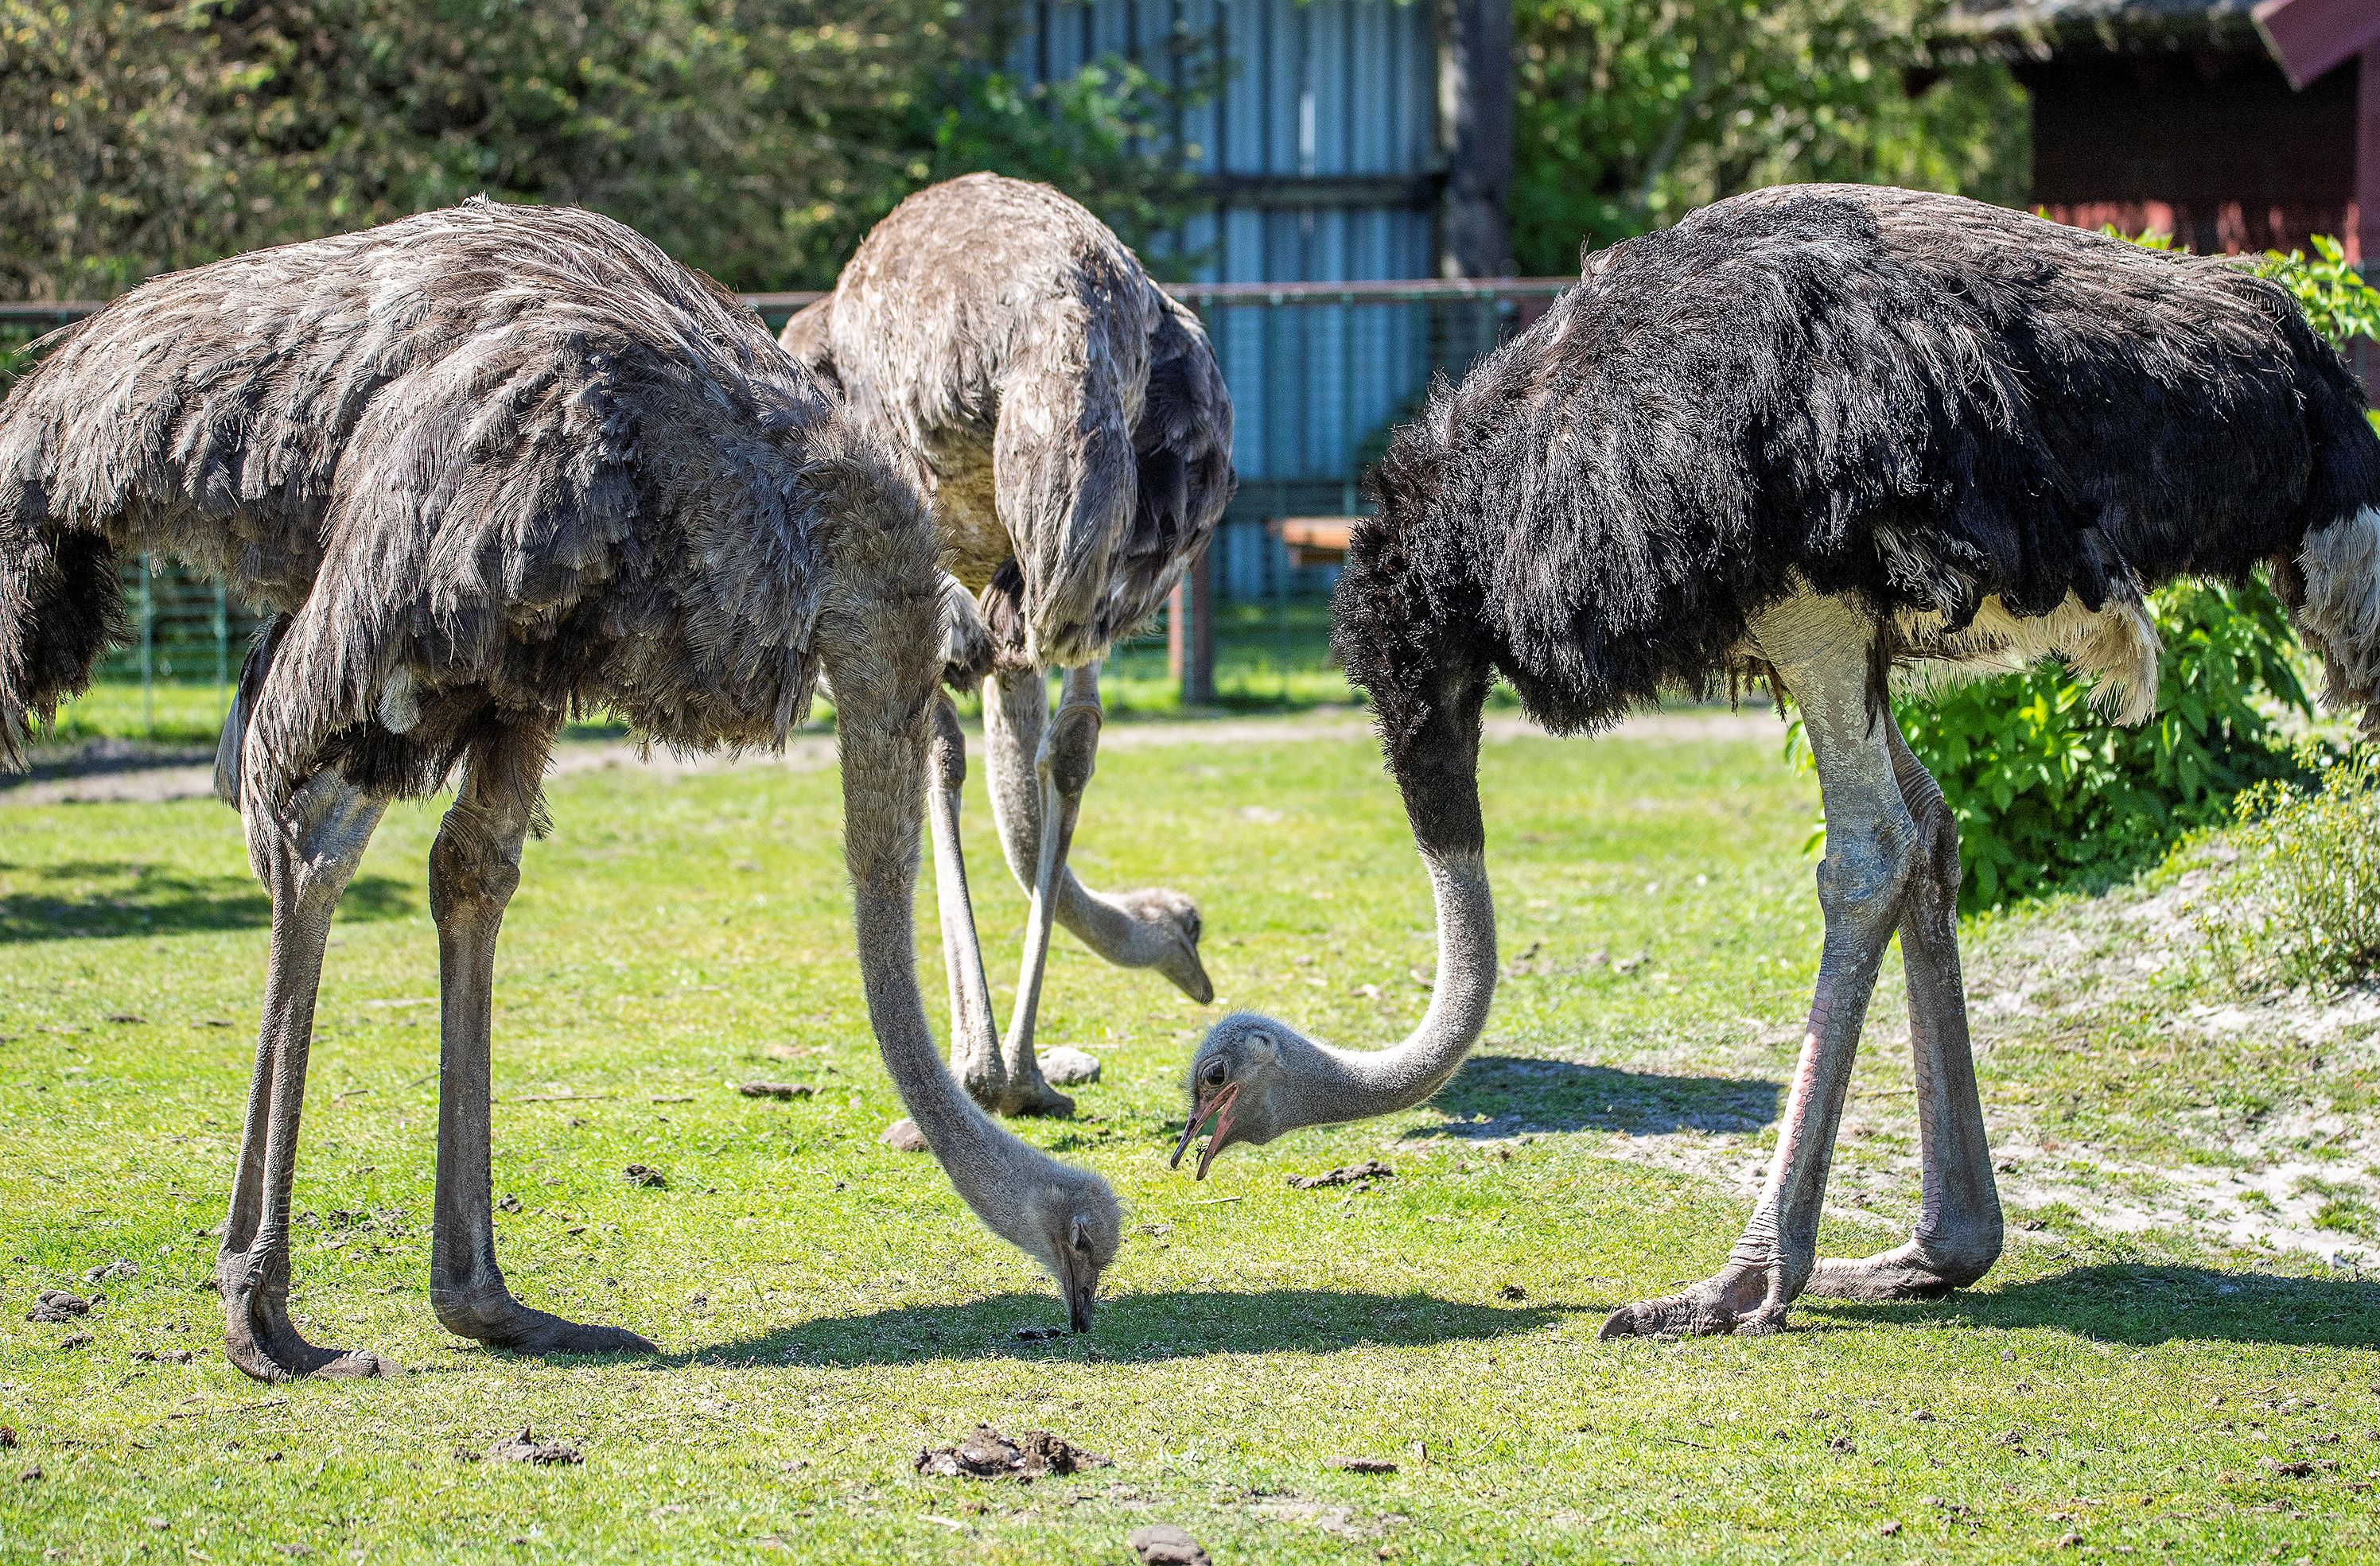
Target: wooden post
(2367,196)
(1190,633)
(1475,104)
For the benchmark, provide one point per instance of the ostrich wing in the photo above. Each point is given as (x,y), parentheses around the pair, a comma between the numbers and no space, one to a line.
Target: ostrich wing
(1183,451)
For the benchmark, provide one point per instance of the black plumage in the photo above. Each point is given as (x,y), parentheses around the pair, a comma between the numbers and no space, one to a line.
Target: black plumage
(1918,399)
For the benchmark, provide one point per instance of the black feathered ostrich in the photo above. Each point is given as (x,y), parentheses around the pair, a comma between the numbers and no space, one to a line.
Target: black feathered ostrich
(1810,434)
(490,465)
(1076,435)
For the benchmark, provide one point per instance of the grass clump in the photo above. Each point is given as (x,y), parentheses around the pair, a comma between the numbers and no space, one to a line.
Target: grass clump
(2300,904)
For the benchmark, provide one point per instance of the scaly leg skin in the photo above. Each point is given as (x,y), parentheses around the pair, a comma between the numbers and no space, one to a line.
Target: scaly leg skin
(1068,754)
(1819,649)
(974,1046)
(474,868)
(305,846)
(1151,928)
(1958,1229)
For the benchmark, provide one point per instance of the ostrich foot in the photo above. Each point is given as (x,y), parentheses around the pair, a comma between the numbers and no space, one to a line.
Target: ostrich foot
(495,1317)
(1034,1096)
(1741,1298)
(1913,1271)
(258,1338)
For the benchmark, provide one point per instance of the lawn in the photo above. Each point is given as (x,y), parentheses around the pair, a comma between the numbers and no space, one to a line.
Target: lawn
(2139,1376)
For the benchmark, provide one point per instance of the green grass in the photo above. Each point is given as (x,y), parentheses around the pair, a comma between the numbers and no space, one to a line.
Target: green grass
(828,1306)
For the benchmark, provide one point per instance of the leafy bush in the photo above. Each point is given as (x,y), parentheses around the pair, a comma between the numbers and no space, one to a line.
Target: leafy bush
(2300,903)
(2048,793)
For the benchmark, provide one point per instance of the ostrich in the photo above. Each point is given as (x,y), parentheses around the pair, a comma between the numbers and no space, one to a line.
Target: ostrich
(1809,434)
(490,465)
(1076,437)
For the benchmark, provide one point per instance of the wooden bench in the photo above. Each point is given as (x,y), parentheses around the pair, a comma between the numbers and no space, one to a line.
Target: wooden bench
(1316,540)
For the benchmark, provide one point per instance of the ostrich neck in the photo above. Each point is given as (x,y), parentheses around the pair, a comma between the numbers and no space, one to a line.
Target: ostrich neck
(990,1168)
(1343,1084)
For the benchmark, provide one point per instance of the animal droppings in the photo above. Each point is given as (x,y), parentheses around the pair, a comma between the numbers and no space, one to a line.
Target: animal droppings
(643,1175)
(987,1454)
(162,1356)
(527,1448)
(120,1267)
(1070,1068)
(1512,1291)
(1037,1335)
(1369,1464)
(1162,1543)
(57,1304)
(508,1203)
(785,1090)
(902,1136)
(1349,1174)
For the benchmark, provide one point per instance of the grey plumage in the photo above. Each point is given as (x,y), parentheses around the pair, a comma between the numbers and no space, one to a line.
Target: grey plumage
(490,466)
(1070,412)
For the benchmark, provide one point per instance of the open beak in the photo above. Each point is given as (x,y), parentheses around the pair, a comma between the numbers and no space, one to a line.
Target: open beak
(1219,1110)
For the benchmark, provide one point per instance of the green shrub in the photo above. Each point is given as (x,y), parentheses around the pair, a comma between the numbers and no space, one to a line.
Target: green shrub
(2299,904)
(2047,792)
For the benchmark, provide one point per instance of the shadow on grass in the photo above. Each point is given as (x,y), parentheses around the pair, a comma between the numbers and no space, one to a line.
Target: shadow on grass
(2124,1303)
(1135,1328)
(148,899)
(1505,1095)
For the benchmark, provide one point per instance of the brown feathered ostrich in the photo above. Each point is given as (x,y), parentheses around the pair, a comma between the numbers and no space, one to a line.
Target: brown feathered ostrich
(487,465)
(1809,434)
(1076,437)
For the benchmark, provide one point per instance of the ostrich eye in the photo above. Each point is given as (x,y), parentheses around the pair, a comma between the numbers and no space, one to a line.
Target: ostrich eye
(1216,1073)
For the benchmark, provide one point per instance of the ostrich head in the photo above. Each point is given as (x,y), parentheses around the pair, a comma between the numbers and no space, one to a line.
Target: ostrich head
(1066,1218)
(1168,923)
(1247,1079)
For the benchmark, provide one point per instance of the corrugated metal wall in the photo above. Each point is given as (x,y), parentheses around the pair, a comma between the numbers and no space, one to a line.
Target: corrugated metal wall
(1321,142)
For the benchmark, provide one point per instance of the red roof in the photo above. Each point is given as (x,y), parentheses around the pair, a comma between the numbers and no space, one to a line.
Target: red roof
(2311,36)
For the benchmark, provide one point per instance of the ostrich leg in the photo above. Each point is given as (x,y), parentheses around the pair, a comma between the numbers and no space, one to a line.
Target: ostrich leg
(1063,764)
(474,868)
(1819,647)
(304,847)
(1958,1226)
(975,1047)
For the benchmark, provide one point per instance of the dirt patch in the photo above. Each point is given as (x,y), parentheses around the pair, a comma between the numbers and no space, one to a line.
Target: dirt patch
(527,1448)
(987,1454)
(1162,1543)
(784,1090)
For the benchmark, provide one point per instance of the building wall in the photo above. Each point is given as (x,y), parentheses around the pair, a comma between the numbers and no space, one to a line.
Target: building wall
(2215,149)
(1322,147)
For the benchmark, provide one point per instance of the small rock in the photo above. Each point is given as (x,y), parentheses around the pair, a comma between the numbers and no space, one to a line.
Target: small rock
(1162,1543)
(1842,1444)
(2066,1541)
(2033,1225)
(57,1304)
(788,1090)
(527,1448)
(1067,1067)
(29,1474)
(159,1524)
(7,1435)
(643,1175)
(508,1203)
(75,1340)
(1369,1464)
(902,1136)
(1512,1291)
(1888,1529)
(1921,1416)
(1349,1174)
(120,1267)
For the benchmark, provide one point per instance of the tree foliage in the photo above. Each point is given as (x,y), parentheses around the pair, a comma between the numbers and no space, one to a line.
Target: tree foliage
(756,139)
(1633,112)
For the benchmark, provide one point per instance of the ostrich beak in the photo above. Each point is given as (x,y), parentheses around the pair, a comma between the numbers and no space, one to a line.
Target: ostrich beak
(1213,1108)
(1081,1294)
(1189,973)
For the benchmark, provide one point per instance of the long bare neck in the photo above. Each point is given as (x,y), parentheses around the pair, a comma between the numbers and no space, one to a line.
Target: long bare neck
(883,781)
(1343,1084)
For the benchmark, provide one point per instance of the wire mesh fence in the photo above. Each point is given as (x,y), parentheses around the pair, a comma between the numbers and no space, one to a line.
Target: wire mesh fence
(1320,374)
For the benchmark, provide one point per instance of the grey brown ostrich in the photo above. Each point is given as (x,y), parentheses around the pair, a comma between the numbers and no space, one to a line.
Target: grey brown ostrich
(1077,436)
(488,465)
(1809,434)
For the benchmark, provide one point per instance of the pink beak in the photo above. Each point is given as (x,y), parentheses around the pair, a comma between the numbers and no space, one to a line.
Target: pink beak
(1219,1110)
